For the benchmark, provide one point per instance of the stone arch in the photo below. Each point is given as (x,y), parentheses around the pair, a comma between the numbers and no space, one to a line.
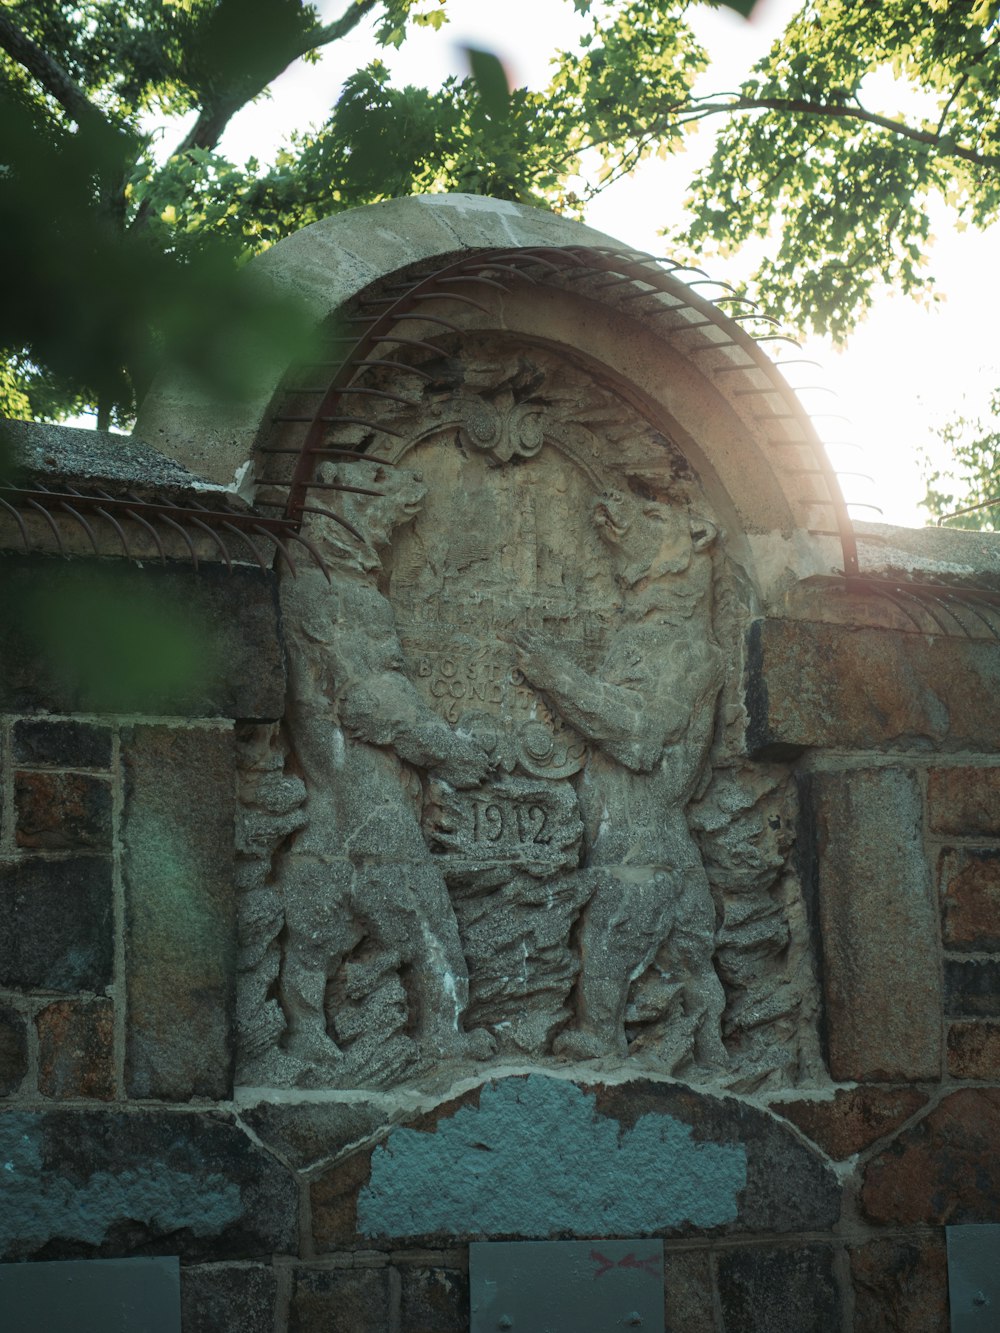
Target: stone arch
(676,357)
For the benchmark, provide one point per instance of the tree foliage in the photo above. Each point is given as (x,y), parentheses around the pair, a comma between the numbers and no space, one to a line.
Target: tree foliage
(834,146)
(967,491)
(837,145)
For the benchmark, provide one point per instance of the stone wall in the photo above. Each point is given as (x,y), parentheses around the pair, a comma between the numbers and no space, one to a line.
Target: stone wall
(580,856)
(820,1206)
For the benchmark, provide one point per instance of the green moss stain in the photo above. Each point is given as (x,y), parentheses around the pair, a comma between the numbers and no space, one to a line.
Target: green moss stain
(535,1158)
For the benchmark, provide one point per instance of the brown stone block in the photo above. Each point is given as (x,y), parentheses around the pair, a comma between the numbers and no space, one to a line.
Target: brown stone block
(970,898)
(964,800)
(180,915)
(972,987)
(39,741)
(75,1039)
(434,1300)
(900,1286)
(874,893)
(56,924)
(13,1050)
(62,811)
(974,1050)
(854,1118)
(334,1197)
(944,1169)
(812,684)
(688,1292)
(236,1298)
(776,1290)
(340,1300)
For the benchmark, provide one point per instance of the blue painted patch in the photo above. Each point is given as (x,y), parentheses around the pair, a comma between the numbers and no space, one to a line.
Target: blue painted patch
(535,1158)
(36,1205)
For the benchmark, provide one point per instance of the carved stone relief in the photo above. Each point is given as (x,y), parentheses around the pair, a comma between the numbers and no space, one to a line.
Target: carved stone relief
(521,834)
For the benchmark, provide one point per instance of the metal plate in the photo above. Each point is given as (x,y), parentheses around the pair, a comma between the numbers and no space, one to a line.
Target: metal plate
(92,1296)
(974,1278)
(561,1286)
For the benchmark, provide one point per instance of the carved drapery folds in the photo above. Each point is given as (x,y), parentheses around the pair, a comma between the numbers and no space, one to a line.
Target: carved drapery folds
(525,833)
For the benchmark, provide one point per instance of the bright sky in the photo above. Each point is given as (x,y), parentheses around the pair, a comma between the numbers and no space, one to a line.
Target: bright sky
(904,371)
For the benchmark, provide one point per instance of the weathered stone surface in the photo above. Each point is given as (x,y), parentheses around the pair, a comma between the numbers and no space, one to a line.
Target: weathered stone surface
(307,1132)
(688,1292)
(90,1183)
(433,1300)
(180,912)
(745,824)
(13,1050)
(75,1049)
(965,800)
(458,891)
(974,1050)
(62,811)
(972,987)
(779,1290)
(56,924)
(970,898)
(540,1157)
(811,684)
(900,1286)
(340,1300)
(872,884)
(944,1169)
(82,637)
(60,744)
(228,1298)
(854,1118)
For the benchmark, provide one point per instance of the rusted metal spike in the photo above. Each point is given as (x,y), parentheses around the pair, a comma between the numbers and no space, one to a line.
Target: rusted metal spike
(354,490)
(20,523)
(223,548)
(343,453)
(68,509)
(475,277)
(428,319)
(138,518)
(966,605)
(899,605)
(396,365)
(728,370)
(308,509)
(246,540)
(190,545)
(271,536)
(313,550)
(376,393)
(452,296)
(927,611)
(51,522)
(510,268)
(99,509)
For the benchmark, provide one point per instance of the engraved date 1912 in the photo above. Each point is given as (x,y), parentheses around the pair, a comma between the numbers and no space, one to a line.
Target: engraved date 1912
(509,821)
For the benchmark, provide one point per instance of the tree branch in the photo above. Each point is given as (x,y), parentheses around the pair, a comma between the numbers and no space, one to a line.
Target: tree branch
(210,126)
(804,107)
(48,72)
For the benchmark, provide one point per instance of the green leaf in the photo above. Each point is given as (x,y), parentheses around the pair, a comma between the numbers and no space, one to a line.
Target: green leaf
(491,80)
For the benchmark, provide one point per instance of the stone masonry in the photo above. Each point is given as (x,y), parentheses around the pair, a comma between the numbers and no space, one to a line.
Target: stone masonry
(579,857)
